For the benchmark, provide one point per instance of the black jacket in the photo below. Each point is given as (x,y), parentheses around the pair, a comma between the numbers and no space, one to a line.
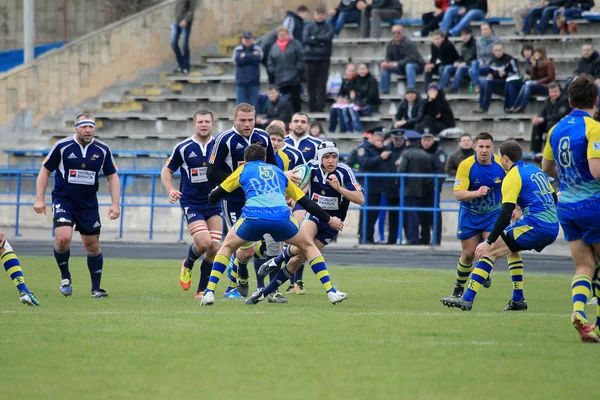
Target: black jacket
(417,112)
(585,4)
(318,41)
(370,161)
(247,68)
(440,106)
(468,51)
(345,6)
(288,66)
(367,91)
(184,10)
(456,158)
(446,54)
(391,4)
(554,112)
(403,53)
(505,63)
(415,160)
(438,159)
(393,184)
(346,87)
(475,4)
(589,66)
(265,42)
(280,109)
(295,25)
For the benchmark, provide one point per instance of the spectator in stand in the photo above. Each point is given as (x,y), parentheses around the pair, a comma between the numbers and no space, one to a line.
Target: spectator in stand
(461,67)
(437,114)
(443,57)
(344,13)
(318,42)
(410,111)
(527,53)
(438,159)
(343,100)
(544,13)
(588,63)
(542,74)
(286,63)
(184,16)
(316,129)
(266,42)
(414,160)
(365,98)
(570,10)
(503,76)
(431,20)
(461,14)
(371,158)
(555,108)
(394,142)
(401,57)
(485,54)
(465,150)
(375,11)
(520,12)
(278,108)
(294,21)
(247,57)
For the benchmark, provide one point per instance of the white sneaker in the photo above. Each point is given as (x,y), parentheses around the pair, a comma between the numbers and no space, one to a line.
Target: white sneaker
(417,34)
(65,287)
(208,299)
(337,297)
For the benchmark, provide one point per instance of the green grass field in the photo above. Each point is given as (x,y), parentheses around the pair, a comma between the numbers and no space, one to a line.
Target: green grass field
(392,339)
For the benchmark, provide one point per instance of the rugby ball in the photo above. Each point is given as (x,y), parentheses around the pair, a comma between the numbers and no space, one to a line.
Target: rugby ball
(302,172)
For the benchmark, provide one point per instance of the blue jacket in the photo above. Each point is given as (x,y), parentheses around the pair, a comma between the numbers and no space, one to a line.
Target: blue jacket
(247,68)
(370,161)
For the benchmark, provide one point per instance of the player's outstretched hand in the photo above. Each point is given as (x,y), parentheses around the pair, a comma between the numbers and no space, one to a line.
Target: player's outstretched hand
(483,191)
(174,195)
(481,249)
(292,177)
(336,223)
(333,182)
(39,207)
(114,211)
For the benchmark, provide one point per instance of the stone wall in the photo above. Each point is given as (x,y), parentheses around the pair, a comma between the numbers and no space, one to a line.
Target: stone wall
(85,67)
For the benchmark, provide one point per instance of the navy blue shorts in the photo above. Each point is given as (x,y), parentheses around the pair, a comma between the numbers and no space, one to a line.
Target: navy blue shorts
(193,213)
(586,226)
(232,212)
(325,233)
(253,229)
(297,207)
(85,218)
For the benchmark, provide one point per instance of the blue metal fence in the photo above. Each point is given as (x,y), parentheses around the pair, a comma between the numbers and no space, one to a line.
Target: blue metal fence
(153,200)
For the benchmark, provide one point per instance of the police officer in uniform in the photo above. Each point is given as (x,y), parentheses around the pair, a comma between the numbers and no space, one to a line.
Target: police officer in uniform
(438,158)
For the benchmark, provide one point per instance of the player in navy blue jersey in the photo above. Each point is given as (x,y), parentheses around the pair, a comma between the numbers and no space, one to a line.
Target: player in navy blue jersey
(333,187)
(204,221)
(78,161)
(226,157)
(300,139)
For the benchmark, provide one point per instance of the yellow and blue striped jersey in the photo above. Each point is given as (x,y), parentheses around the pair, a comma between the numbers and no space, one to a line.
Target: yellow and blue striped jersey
(471,175)
(265,187)
(528,187)
(570,143)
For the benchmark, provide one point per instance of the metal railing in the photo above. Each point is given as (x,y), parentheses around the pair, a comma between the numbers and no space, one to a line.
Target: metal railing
(153,200)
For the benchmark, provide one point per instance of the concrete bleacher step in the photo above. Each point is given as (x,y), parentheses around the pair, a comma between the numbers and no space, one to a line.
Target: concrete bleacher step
(504,28)
(183,104)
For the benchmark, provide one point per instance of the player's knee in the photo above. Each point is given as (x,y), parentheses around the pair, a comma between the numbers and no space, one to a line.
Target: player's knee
(62,243)
(212,250)
(245,254)
(93,249)
(201,244)
(467,256)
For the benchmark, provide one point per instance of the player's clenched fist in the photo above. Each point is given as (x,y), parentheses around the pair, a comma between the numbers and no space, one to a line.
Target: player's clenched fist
(483,191)
(336,223)
(174,196)
(39,207)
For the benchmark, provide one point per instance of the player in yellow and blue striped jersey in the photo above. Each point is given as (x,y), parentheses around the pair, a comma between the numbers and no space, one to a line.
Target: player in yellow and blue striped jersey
(526,186)
(572,153)
(13,269)
(477,187)
(265,211)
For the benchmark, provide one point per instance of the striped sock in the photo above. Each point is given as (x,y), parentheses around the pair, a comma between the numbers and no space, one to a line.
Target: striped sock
(597,293)
(233,271)
(192,257)
(284,256)
(219,267)
(462,272)
(515,266)
(480,274)
(320,269)
(581,288)
(282,276)
(13,269)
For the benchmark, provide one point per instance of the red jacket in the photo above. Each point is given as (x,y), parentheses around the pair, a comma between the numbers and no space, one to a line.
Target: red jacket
(442,4)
